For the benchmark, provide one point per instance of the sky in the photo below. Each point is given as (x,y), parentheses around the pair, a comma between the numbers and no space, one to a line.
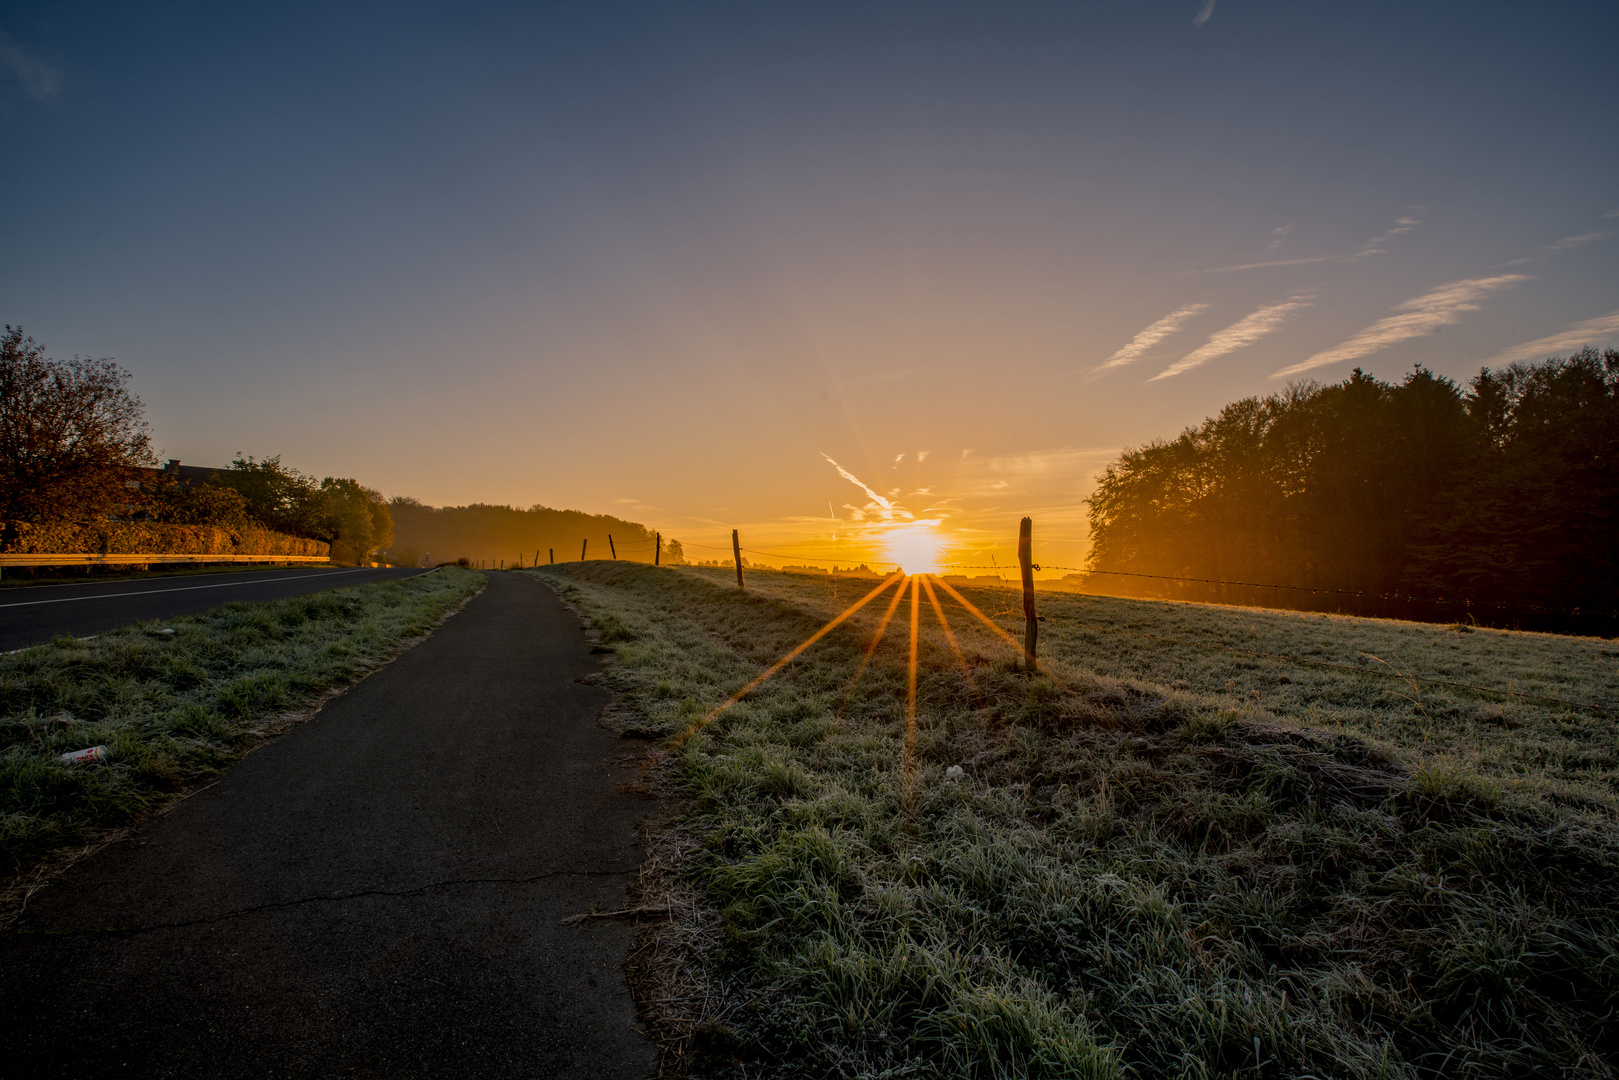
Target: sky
(846,277)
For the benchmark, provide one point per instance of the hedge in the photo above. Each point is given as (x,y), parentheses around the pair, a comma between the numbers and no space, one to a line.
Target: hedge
(146,538)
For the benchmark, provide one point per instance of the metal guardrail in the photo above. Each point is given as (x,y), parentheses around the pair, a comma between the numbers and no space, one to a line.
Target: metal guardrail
(147,558)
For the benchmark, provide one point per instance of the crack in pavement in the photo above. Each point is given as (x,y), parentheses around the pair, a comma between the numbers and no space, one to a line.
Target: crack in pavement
(126,931)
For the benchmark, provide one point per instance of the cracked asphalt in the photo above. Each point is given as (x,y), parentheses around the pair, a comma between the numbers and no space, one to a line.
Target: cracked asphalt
(378,893)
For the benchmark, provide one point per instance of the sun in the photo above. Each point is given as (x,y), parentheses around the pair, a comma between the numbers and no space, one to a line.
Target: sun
(915,547)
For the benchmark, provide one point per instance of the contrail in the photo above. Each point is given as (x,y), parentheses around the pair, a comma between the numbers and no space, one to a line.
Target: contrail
(859,483)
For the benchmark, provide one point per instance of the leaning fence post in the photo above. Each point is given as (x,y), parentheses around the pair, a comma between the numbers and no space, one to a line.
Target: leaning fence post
(612,546)
(736,552)
(657,549)
(553,553)
(582,548)
(1025,558)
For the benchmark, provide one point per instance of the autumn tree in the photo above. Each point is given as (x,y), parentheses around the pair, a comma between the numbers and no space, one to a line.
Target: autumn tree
(72,435)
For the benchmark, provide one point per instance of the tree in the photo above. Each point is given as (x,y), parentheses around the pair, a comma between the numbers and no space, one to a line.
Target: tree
(1503,495)
(71,434)
(279,496)
(674,554)
(353,518)
(359,520)
(482,531)
(1533,521)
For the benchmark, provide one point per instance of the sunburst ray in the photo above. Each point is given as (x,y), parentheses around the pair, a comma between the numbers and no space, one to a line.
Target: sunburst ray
(877,639)
(789,658)
(950,636)
(996,628)
(910,693)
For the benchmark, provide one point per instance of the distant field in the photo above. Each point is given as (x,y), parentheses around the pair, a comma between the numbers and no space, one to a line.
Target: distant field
(1168,856)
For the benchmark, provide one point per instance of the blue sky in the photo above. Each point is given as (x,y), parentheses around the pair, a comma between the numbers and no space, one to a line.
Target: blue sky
(667,260)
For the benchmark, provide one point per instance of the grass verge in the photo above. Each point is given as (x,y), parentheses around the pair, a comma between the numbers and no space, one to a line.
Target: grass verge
(176,707)
(1164,858)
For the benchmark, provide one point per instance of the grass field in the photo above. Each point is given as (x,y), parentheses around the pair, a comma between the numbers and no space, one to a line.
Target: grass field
(1169,855)
(176,707)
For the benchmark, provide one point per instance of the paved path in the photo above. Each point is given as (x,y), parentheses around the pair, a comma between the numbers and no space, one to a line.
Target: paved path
(377,893)
(37,613)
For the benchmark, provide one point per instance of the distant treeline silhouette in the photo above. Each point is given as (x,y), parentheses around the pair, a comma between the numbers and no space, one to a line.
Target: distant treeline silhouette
(436,534)
(1500,499)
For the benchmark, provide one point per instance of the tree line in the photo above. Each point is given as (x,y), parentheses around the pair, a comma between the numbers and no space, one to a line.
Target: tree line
(486,532)
(1496,501)
(75,447)
(353,518)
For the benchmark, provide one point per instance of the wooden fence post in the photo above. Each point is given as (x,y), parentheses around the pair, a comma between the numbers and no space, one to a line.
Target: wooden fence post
(612,546)
(583,547)
(657,549)
(1031,623)
(736,551)
(553,552)
(537,557)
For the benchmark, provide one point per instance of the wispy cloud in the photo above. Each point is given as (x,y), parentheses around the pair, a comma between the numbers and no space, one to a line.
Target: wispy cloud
(1402,224)
(1418,317)
(1598,331)
(1149,337)
(859,483)
(40,80)
(1240,334)
(1375,246)
(1568,243)
(1277,235)
(1203,13)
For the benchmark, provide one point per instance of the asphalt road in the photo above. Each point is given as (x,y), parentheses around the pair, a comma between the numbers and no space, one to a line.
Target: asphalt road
(378,893)
(38,613)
